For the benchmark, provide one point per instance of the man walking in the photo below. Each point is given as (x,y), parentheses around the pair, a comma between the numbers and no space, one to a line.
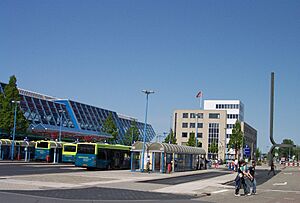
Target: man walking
(252,173)
(272,169)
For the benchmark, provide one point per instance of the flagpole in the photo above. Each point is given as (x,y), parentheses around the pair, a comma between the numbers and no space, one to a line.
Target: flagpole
(201,102)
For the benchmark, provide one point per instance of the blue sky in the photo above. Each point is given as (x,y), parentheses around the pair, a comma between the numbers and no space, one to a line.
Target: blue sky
(105,52)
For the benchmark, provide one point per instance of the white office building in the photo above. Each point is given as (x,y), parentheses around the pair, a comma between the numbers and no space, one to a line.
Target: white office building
(235,111)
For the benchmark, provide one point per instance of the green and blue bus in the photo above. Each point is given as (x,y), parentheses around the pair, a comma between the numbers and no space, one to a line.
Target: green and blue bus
(102,156)
(48,150)
(69,152)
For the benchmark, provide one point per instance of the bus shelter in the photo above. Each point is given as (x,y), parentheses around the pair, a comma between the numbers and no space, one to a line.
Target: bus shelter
(169,157)
(24,150)
(5,149)
(136,155)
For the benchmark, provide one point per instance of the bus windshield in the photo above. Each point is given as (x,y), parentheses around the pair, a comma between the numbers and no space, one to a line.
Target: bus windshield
(70,148)
(42,145)
(86,149)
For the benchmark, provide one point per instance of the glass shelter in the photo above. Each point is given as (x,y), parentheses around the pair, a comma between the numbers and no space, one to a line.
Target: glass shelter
(165,157)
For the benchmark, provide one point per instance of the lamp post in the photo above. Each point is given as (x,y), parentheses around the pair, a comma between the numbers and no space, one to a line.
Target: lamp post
(14,131)
(196,129)
(60,126)
(147,92)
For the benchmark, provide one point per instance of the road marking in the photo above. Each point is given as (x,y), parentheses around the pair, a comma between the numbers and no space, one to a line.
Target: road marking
(219,191)
(288,173)
(285,191)
(287,198)
(285,183)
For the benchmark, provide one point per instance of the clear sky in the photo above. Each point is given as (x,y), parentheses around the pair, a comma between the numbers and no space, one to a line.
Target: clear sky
(105,52)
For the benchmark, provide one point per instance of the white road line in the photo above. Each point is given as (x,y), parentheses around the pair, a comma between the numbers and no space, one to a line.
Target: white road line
(288,173)
(219,191)
(287,198)
(285,183)
(285,191)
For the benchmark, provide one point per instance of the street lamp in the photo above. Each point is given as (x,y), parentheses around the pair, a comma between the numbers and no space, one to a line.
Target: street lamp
(14,131)
(61,117)
(147,92)
(197,115)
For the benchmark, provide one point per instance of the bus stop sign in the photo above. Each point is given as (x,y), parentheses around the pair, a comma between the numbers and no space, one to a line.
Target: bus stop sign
(247,151)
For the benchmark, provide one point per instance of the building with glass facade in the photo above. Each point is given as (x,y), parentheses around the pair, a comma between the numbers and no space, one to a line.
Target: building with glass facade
(50,116)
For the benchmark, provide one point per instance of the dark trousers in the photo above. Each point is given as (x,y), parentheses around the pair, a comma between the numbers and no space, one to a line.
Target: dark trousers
(239,182)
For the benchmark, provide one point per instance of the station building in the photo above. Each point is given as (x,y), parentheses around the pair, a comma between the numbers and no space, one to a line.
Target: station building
(50,116)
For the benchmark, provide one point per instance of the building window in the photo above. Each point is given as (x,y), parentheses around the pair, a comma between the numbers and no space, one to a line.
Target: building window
(192,125)
(213,136)
(232,116)
(192,115)
(184,125)
(200,125)
(230,126)
(200,135)
(200,115)
(185,115)
(214,115)
(200,144)
(184,134)
(228,135)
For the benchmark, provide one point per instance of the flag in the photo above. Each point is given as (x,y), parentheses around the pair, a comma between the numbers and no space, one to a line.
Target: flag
(199,94)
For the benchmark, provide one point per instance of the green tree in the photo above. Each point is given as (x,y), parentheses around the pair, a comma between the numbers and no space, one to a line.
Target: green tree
(7,108)
(297,153)
(257,153)
(171,138)
(236,138)
(110,127)
(286,151)
(132,134)
(192,140)
(213,148)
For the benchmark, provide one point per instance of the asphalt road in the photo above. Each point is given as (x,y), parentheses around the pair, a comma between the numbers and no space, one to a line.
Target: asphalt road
(186,179)
(261,177)
(281,188)
(7,169)
(284,187)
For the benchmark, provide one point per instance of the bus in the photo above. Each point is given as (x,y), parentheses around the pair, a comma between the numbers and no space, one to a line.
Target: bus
(69,152)
(48,150)
(102,156)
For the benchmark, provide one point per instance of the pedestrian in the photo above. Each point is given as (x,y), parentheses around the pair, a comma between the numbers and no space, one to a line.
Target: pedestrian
(238,180)
(247,180)
(236,165)
(272,169)
(253,181)
(148,164)
(242,179)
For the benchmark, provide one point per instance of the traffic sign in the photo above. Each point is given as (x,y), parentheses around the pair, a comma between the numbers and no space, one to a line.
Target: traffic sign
(247,151)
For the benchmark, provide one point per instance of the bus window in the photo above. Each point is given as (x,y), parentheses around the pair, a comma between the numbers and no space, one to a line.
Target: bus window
(70,148)
(101,154)
(85,149)
(42,145)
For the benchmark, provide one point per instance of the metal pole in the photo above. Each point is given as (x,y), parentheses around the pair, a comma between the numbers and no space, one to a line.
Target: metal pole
(131,136)
(60,126)
(196,130)
(54,157)
(145,128)
(26,151)
(144,137)
(14,131)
